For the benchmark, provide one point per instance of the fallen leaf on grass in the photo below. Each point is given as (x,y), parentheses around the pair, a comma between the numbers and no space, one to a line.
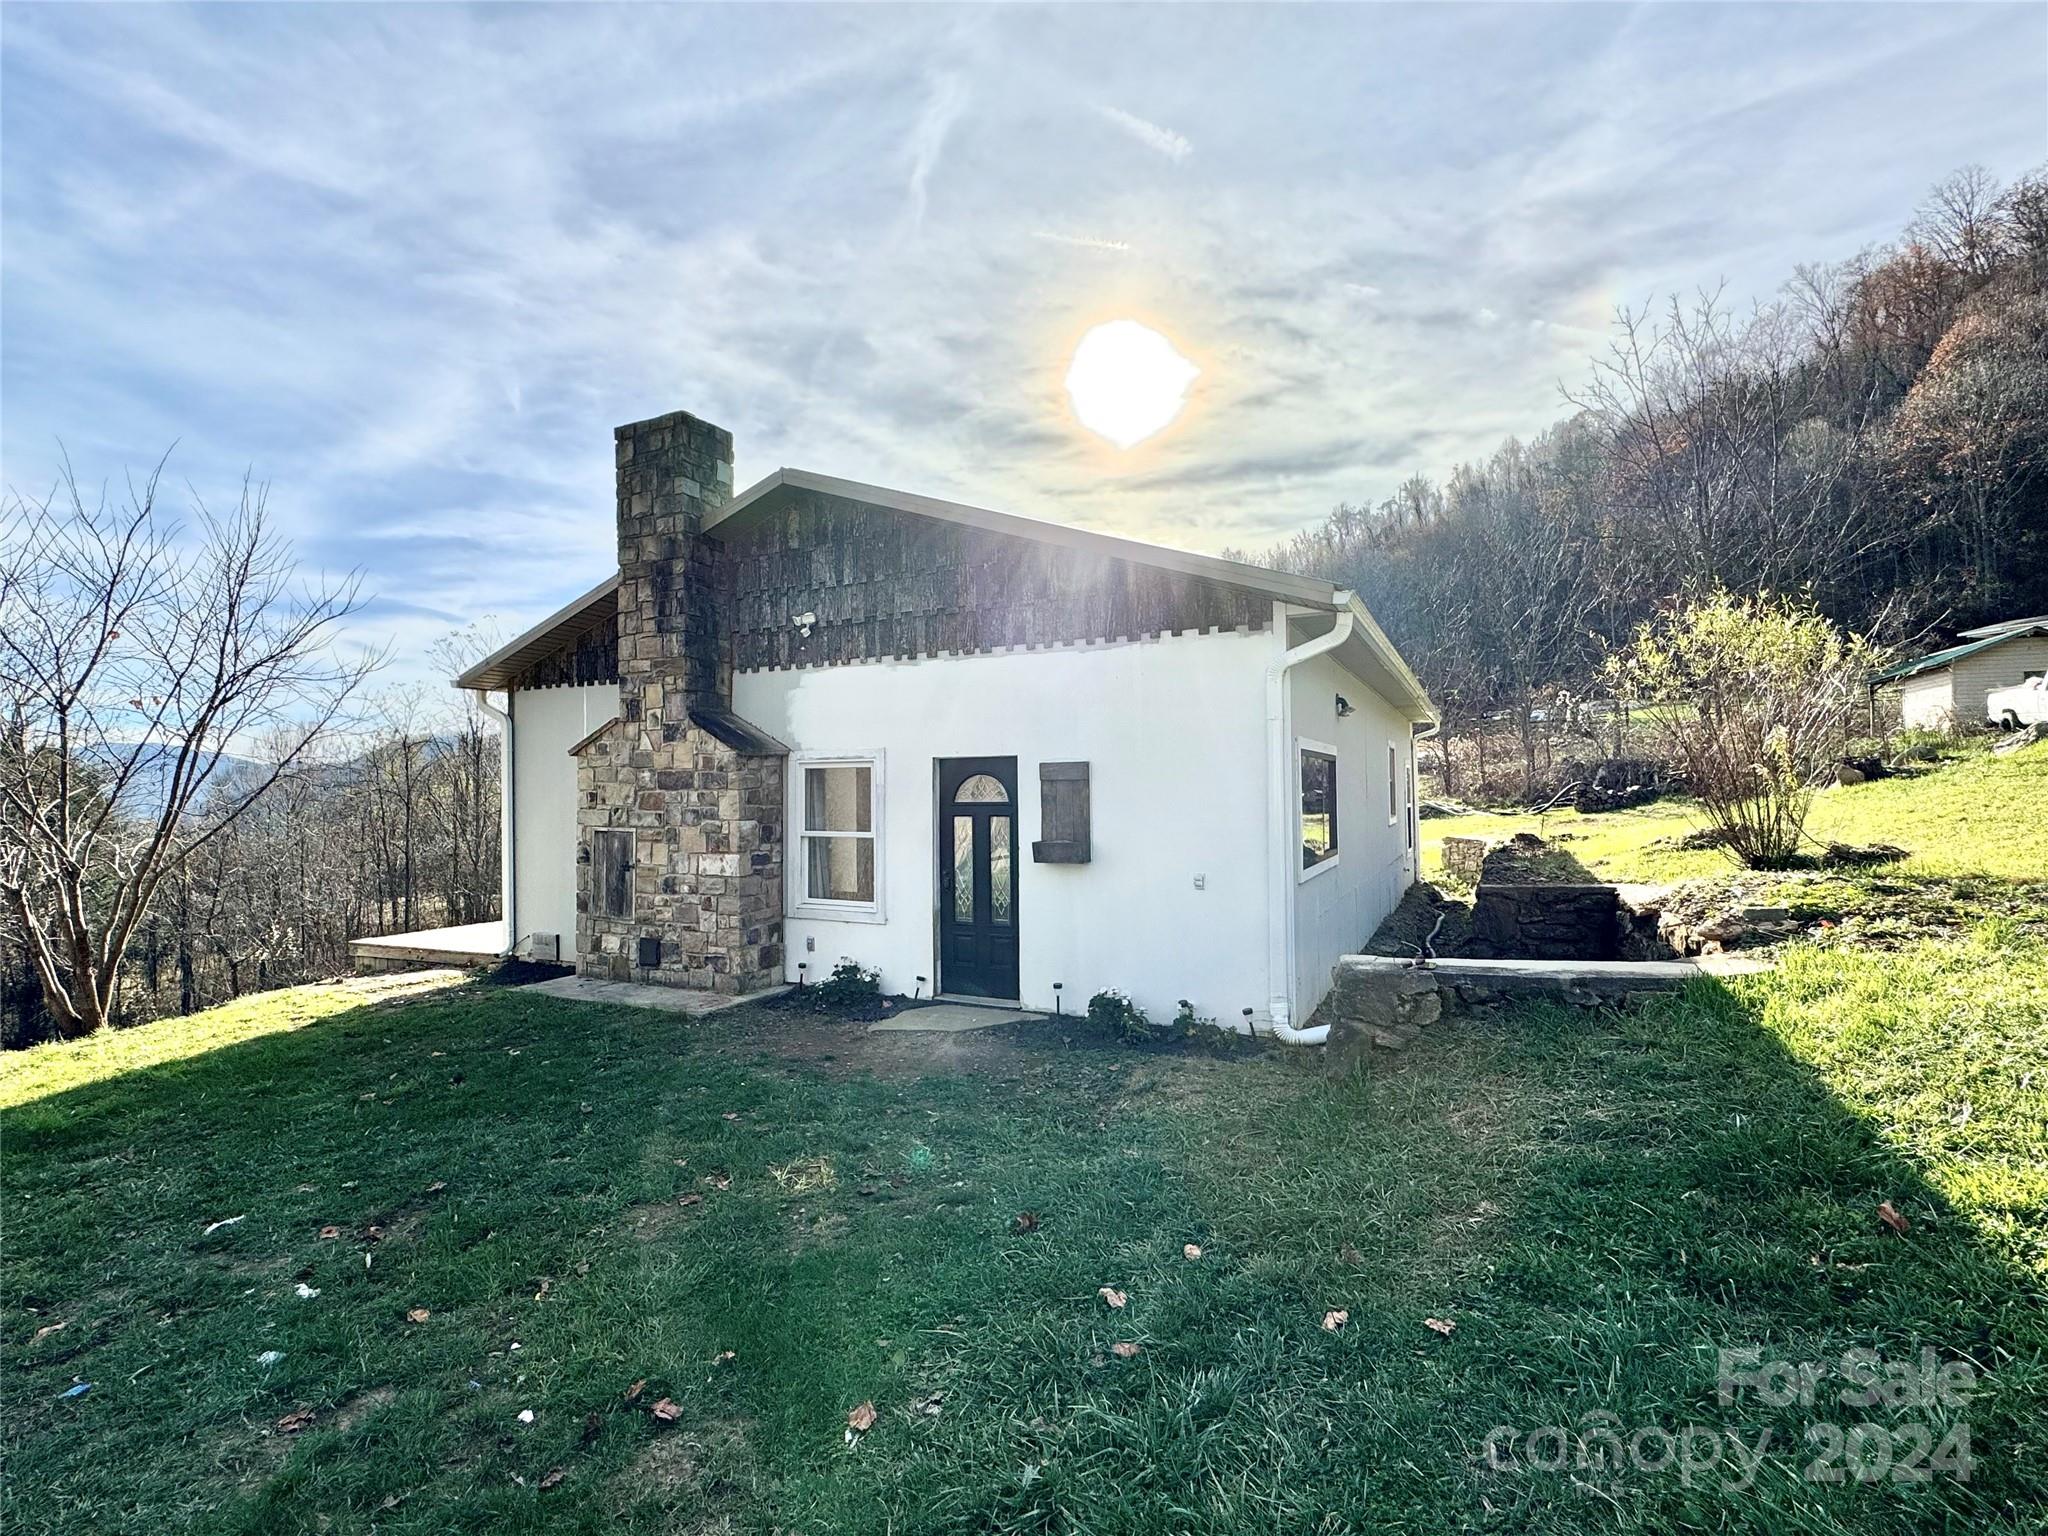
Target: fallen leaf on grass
(226,1221)
(526,1415)
(1191,1250)
(730,1114)
(929,1407)
(437,1186)
(418,1315)
(1350,1257)
(546,1285)
(1334,1319)
(1112,1295)
(718,1179)
(723,1357)
(1026,1221)
(553,1479)
(862,1419)
(296,1420)
(635,1390)
(46,1330)
(1440,1325)
(1124,1351)
(329,1234)
(1889,1215)
(593,1426)
(666,1411)
(307,1292)
(693,1198)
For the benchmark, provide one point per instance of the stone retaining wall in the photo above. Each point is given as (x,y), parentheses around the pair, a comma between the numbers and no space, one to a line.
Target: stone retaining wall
(1385,1003)
(1548,922)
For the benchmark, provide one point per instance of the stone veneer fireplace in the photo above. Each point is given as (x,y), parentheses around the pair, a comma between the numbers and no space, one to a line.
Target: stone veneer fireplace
(679,802)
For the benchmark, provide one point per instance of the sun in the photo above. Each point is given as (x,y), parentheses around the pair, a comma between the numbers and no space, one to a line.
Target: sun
(1128,382)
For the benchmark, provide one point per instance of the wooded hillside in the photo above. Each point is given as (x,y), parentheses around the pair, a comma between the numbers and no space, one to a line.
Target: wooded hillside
(1875,436)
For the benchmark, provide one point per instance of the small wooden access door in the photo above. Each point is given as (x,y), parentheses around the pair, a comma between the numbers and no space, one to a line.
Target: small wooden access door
(977,843)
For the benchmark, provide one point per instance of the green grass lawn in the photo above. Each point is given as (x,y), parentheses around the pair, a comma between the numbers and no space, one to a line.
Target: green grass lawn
(1977,815)
(1598,1205)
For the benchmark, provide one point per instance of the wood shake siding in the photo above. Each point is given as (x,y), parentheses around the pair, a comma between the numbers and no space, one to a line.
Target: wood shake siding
(886,584)
(591,657)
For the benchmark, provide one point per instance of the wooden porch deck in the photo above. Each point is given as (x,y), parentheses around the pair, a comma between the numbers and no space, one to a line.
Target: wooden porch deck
(470,944)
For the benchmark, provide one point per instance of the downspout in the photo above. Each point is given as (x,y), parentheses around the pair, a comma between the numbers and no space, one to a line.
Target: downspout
(1283,845)
(508,843)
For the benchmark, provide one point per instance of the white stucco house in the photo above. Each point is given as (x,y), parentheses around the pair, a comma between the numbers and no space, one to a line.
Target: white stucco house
(989,756)
(1945,691)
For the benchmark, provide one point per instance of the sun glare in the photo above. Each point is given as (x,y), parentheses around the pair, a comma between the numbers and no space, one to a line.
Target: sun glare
(1127,382)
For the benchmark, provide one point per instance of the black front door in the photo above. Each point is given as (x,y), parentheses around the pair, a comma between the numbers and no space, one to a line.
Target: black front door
(978,876)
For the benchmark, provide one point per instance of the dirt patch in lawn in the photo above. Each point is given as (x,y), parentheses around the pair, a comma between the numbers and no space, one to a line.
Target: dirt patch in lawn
(358,1407)
(648,1222)
(682,1471)
(809,1230)
(844,1047)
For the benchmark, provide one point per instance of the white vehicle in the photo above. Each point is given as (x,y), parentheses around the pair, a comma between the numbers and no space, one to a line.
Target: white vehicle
(2022,704)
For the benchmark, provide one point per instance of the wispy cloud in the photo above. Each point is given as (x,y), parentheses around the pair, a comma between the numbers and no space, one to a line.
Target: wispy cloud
(412,264)
(942,109)
(1083,242)
(1174,146)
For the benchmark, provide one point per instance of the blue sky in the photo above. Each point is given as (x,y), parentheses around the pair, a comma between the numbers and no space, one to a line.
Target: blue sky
(412,264)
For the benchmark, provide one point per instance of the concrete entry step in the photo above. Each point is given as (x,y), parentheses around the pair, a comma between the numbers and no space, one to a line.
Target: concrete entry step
(951,1018)
(639,994)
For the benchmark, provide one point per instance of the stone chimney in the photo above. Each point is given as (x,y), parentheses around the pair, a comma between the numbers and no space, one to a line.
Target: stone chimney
(673,471)
(679,802)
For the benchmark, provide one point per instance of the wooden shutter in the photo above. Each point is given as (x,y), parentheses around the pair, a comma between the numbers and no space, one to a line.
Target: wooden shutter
(611,873)
(1062,814)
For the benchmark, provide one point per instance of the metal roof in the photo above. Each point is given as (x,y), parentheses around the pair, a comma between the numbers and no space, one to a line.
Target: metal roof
(1988,631)
(1900,670)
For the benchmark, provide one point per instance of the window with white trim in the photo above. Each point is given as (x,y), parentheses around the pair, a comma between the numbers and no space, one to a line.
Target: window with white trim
(1414,809)
(838,827)
(1318,805)
(1393,791)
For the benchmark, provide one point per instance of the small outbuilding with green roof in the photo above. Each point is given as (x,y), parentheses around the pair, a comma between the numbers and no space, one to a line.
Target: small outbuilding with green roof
(1946,689)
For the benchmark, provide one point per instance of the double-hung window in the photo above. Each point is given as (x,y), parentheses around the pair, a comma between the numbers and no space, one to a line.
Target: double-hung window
(838,829)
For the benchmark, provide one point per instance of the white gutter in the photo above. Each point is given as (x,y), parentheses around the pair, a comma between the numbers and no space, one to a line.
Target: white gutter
(1283,846)
(508,843)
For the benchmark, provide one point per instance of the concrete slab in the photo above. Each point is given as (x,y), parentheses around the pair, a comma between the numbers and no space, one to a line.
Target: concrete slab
(638,994)
(470,944)
(1725,964)
(951,1018)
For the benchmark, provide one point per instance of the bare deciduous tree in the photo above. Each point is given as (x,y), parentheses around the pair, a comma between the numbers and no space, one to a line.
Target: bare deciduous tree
(134,663)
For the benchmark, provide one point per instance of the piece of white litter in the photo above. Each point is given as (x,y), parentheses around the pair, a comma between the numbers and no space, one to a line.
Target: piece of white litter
(270,1357)
(526,1415)
(227,1222)
(307,1292)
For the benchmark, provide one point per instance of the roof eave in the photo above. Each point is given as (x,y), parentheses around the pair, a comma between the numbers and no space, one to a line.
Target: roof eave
(770,492)
(508,660)
(1421,709)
